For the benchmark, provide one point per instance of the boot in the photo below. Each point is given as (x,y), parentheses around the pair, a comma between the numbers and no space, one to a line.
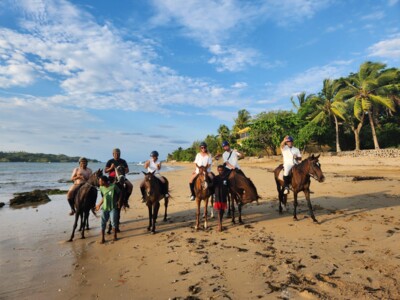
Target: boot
(191,185)
(143,191)
(286,180)
(72,205)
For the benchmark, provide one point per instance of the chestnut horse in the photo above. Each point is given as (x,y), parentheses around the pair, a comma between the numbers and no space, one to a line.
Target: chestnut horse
(202,189)
(242,191)
(300,181)
(153,196)
(85,200)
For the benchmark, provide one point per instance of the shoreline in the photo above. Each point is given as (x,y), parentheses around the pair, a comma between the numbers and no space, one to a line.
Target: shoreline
(352,253)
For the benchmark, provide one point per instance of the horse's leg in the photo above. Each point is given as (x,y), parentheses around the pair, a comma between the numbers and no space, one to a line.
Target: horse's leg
(228,214)
(240,212)
(310,208)
(295,206)
(150,207)
(118,219)
(166,200)
(155,215)
(233,208)
(205,213)
(197,214)
(74,227)
(83,223)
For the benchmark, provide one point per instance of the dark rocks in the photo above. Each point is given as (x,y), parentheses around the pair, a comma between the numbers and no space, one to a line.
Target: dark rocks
(32,198)
(2,204)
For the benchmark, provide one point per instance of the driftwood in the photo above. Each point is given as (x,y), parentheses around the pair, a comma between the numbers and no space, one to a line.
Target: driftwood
(360,178)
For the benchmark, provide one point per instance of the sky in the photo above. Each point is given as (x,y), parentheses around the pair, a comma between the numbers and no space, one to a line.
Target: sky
(82,77)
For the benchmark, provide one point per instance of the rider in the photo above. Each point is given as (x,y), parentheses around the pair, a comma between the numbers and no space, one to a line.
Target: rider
(291,156)
(153,165)
(203,158)
(231,157)
(112,164)
(79,176)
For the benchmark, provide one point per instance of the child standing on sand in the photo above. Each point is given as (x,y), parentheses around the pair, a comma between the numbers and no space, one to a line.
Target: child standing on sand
(221,194)
(108,205)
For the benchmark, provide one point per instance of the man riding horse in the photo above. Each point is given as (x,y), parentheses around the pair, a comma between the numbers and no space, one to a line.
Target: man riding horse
(291,156)
(153,166)
(231,157)
(111,167)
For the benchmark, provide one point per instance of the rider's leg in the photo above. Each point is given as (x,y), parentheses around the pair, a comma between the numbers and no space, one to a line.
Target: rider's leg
(286,177)
(191,185)
(71,197)
(143,191)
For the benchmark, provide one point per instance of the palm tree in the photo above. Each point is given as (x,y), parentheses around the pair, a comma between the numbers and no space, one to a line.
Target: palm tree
(369,87)
(224,133)
(242,120)
(301,98)
(328,105)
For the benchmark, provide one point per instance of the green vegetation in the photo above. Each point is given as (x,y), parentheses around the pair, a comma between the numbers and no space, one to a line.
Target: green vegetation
(360,111)
(37,157)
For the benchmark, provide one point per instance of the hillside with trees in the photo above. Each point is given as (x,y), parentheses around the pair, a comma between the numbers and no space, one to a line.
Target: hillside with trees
(360,111)
(37,157)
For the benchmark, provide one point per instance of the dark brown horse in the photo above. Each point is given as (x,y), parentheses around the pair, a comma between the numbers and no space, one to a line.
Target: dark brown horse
(202,189)
(85,200)
(300,181)
(242,191)
(122,201)
(154,194)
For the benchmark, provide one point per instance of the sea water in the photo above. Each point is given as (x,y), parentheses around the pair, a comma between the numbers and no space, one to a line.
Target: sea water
(25,176)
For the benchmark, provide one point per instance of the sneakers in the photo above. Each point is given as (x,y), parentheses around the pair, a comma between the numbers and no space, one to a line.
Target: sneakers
(286,191)
(192,198)
(166,195)
(143,201)
(71,213)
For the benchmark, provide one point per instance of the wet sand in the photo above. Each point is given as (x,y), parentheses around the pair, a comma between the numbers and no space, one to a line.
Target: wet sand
(352,253)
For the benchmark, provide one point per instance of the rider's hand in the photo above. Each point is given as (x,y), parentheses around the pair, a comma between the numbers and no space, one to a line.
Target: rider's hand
(97,207)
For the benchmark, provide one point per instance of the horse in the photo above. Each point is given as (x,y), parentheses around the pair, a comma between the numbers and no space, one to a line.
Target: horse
(300,181)
(122,201)
(85,200)
(153,196)
(242,191)
(202,189)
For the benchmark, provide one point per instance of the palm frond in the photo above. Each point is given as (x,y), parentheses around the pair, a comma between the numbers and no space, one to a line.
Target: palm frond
(385,101)
(358,111)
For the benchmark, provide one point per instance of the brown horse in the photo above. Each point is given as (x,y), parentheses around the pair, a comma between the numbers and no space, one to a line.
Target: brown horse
(153,194)
(202,189)
(85,200)
(300,181)
(242,191)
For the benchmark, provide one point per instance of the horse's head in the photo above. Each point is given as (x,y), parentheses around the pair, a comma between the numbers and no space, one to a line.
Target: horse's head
(203,176)
(315,168)
(94,178)
(120,174)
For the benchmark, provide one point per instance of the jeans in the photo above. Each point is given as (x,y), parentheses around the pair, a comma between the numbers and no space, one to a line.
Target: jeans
(105,215)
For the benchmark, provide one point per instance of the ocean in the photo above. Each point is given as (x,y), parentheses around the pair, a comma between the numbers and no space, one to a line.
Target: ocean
(25,177)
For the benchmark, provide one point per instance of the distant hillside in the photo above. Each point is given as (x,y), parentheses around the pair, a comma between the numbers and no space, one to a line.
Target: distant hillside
(38,157)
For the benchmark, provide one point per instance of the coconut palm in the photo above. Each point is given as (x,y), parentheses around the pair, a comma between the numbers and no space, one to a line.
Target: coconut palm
(329,106)
(369,87)
(242,120)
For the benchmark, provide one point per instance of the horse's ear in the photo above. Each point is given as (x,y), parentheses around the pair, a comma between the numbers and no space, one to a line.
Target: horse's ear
(144,173)
(317,156)
(153,172)
(312,155)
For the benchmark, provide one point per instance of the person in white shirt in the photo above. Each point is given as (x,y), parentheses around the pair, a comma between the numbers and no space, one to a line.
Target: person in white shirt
(203,158)
(79,176)
(231,157)
(291,156)
(153,165)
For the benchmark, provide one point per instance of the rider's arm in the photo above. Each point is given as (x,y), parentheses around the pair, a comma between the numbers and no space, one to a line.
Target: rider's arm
(74,172)
(283,143)
(146,164)
(159,166)
(109,167)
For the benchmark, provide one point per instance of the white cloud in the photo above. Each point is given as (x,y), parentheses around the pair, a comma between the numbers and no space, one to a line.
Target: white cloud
(232,59)
(214,23)
(95,66)
(239,85)
(389,49)
(309,81)
(377,15)
(392,2)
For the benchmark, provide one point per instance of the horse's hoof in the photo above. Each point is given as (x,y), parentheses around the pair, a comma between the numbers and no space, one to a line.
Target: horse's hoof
(148,228)
(315,221)
(152,232)
(83,238)
(196,227)
(70,240)
(118,230)
(295,219)
(109,232)
(241,222)
(87,228)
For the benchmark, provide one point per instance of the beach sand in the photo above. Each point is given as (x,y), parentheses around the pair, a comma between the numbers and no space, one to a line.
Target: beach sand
(353,253)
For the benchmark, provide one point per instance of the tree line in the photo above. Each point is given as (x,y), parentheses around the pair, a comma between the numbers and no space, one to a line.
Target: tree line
(21,156)
(360,111)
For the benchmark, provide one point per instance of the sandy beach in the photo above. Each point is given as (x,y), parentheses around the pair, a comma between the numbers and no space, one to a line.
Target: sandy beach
(353,253)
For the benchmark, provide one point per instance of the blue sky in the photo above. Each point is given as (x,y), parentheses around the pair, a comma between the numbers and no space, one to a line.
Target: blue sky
(84,76)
